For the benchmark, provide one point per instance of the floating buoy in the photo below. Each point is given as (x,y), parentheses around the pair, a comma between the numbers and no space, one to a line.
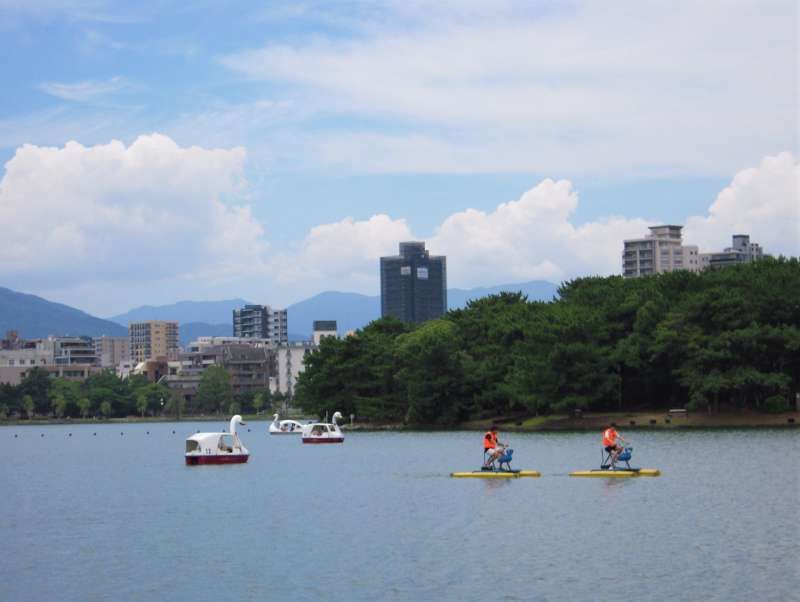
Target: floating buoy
(500,474)
(617,474)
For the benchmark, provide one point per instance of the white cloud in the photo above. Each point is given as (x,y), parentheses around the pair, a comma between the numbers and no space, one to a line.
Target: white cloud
(117,226)
(535,237)
(590,87)
(762,201)
(342,255)
(85,91)
(131,215)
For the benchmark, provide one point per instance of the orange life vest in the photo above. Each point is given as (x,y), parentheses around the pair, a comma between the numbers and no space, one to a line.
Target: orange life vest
(609,437)
(489,440)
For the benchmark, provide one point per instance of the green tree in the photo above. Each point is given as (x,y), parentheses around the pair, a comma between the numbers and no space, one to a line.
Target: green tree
(175,405)
(84,406)
(141,403)
(36,385)
(59,403)
(258,402)
(106,409)
(215,392)
(234,408)
(28,406)
(431,369)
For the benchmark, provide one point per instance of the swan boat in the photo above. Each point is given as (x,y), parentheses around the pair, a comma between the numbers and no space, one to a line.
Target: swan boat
(323,432)
(217,448)
(284,427)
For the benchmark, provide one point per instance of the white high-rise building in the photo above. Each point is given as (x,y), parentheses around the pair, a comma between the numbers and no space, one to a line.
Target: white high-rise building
(660,251)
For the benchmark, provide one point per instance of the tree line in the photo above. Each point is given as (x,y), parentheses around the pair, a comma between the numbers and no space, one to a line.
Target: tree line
(710,340)
(105,395)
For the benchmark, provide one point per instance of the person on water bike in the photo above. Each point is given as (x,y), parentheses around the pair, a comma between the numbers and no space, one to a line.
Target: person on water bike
(492,447)
(612,443)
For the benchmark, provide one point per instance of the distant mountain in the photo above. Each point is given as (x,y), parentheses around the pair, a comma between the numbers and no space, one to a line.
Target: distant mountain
(33,318)
(350,310)
(536,290)
(209,312)
(353,311)
(190,331)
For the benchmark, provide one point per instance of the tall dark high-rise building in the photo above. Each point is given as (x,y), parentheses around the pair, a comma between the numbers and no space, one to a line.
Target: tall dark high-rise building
(413,284)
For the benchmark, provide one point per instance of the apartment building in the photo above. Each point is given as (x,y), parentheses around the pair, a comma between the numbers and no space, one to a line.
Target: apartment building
(153,339)
(261,322)
(660,251)
(112,351)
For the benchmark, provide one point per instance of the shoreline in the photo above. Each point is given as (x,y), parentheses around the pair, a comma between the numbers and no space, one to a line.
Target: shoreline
(555,423)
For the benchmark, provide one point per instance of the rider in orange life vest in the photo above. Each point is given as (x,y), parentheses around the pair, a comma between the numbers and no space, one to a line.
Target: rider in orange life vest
(611,442)
(492,448)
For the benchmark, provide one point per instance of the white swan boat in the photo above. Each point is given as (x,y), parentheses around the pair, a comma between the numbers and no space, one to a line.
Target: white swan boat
(217,448)
(284,427)
(323,432)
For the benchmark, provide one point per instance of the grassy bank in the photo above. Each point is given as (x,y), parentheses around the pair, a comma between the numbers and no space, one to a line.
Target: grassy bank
(642,420)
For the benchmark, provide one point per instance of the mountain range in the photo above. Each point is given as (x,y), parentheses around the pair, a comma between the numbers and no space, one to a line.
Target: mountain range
(34,317)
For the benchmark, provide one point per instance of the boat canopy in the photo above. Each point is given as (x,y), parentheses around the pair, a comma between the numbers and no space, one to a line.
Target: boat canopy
(208,441)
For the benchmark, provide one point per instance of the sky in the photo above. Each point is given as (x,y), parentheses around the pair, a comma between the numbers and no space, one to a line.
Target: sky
(154,152)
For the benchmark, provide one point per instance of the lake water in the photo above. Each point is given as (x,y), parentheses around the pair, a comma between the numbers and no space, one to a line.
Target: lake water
(119,516)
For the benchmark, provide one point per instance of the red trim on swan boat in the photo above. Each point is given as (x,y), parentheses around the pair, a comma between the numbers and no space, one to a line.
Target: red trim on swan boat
(213,459)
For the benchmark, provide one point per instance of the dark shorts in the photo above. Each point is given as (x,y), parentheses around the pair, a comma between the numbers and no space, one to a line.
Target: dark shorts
(610,448)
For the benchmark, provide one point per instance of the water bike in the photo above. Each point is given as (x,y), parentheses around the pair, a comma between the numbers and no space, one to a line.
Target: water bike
(610,468)
(497,468)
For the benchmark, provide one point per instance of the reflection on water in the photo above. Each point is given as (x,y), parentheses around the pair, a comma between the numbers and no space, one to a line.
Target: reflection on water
(111,516)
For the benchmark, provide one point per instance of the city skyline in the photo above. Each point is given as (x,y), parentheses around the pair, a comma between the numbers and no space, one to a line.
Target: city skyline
(278,153)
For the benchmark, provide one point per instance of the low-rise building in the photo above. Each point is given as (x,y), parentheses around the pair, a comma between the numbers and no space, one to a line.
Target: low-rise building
(74,350)
(741,251)
(324,328)
(250,363)
(28,354)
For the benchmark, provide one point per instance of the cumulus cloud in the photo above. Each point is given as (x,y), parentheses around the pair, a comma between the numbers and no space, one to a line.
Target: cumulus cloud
(133,213)
(116,226)
(536,237)
(762,201)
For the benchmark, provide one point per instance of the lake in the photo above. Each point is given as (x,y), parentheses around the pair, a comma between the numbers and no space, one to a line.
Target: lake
(101,515)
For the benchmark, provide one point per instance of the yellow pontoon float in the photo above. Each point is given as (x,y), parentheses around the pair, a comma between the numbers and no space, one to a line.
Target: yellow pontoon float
(622,473)
(496,474)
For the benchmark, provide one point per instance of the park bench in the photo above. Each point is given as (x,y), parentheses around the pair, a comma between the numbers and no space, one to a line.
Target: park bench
(678,412)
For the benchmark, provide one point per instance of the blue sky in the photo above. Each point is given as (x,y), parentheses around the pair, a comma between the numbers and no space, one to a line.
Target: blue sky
(323,132)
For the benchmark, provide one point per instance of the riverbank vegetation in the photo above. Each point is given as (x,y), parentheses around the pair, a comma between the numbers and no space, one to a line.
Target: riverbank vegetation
(726,337)
(105,396)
